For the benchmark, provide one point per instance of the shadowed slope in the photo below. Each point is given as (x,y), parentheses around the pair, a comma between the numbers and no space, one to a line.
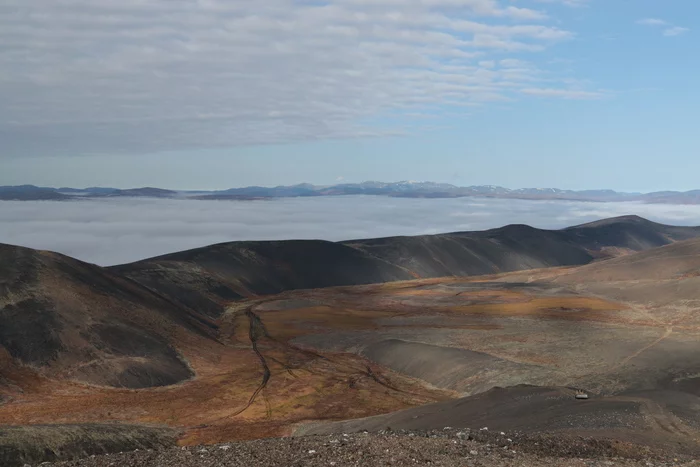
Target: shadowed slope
(209,277)
(510,248)
(69,319)
(206,278)
(78,320)
(518,247)
(347,352)
(630,232)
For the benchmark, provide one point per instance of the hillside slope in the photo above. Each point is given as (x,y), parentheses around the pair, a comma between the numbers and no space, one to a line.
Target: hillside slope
(640,419)
(206,278)
(674,261)
(117,326)
(69,319)
(518,247)
(510,248)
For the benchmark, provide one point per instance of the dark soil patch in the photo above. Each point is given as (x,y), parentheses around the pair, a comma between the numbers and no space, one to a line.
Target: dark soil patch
(30,331)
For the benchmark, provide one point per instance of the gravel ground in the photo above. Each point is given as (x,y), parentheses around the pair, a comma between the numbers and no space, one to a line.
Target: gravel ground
(438,448)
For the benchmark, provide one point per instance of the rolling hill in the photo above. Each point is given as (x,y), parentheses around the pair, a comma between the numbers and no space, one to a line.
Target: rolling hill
(69,319)
(249,339)
(206,278)
(675,261)
(124,326)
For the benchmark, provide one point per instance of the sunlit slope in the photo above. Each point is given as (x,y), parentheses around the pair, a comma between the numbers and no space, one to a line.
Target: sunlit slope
(675,261)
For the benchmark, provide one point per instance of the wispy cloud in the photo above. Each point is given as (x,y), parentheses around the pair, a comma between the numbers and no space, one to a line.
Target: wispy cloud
(569,3)
(115,231)
(563,93)
(652,22)
(675,31)
(668,28)
(126,76)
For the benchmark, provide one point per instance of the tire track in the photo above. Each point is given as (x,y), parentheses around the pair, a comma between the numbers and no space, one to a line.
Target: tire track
(667,332)
(257,330)
(356,374)
(664,419)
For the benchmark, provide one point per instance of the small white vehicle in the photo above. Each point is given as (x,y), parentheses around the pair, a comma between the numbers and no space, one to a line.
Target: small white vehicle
(581,395)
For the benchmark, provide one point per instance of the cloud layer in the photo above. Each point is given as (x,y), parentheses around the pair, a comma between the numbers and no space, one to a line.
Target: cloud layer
(135,76)
(116,231)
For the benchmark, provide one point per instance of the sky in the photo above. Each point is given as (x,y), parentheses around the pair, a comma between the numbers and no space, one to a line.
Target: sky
(120,230)
(212,94)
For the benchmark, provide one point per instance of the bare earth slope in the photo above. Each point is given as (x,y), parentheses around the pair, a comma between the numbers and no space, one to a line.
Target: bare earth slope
(69,319)
(259,341)
(206,278)
(535,411)
(676,261)
(209,277)
(517,247)
(635,356)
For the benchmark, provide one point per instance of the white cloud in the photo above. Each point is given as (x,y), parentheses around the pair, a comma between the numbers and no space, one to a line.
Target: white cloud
(563,93)
(652,22)
(569,3)
(112,231)
(132,76)
(675,31)
(669,29)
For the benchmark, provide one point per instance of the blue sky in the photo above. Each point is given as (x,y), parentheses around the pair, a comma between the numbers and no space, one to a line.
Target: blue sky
(182,94)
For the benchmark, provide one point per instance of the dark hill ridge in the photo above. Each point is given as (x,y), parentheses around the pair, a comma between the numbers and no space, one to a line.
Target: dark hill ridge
(69,319)
(511,248)
(520,247)
(206,278)
(123,326)
(633,232)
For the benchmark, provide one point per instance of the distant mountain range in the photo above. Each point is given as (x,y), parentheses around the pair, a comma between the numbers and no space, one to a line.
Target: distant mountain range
(404,189)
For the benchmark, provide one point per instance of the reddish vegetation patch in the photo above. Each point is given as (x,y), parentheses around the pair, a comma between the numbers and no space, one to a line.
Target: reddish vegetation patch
(288,324)
(473,327)
(246,391)
(572,308)
(217,405)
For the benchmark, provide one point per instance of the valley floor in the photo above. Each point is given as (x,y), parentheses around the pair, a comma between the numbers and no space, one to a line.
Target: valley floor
(304,361)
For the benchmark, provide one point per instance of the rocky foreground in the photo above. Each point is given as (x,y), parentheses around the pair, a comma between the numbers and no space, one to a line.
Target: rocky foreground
(448,447)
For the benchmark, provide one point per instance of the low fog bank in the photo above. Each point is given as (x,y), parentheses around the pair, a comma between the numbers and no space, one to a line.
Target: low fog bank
(114,231)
